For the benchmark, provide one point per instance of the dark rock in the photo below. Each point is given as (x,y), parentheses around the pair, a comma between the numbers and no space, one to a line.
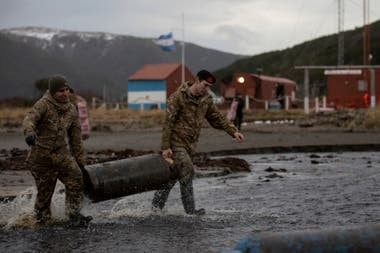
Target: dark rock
(270,169)
(233,163)
(274,175)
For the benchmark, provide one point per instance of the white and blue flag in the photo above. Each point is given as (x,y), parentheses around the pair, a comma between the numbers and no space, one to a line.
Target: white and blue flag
(165,41)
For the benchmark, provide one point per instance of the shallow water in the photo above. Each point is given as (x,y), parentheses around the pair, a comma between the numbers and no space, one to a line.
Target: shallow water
(303,191)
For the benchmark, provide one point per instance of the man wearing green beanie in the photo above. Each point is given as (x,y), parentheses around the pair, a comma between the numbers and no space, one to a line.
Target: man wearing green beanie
(53,132)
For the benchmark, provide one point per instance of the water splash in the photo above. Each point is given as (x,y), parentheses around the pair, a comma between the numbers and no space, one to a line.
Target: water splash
(20,211)
(135,206)
(18,208)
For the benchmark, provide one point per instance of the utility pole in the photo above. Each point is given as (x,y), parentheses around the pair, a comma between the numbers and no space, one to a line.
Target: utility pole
(340,32)
(183,49)
(366,34)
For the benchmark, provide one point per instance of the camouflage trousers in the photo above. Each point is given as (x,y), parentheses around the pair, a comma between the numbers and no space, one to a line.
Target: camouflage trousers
(46,168)
(185,171)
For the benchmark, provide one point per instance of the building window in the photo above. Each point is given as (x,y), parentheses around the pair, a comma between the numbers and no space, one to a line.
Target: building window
(362,85)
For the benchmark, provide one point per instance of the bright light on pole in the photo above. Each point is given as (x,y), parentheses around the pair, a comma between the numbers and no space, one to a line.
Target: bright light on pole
(240,79)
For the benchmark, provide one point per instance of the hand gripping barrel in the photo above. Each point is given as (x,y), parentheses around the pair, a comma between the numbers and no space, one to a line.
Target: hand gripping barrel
(119,178)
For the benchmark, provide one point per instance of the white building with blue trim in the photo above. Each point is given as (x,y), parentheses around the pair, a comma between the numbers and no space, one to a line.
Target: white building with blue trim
(151,85)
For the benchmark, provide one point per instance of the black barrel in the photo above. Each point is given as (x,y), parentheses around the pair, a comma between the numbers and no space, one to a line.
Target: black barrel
(119,178)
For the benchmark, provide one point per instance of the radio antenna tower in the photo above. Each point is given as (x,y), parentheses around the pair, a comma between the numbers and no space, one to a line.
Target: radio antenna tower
(340,32)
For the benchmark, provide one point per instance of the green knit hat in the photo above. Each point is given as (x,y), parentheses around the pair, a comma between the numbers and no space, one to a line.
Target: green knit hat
(56,83)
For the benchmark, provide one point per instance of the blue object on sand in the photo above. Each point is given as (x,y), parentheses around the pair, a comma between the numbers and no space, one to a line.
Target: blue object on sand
(364,239)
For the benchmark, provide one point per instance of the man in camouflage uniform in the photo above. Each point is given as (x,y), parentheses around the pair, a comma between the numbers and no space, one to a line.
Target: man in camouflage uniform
(185,112)
(53,131)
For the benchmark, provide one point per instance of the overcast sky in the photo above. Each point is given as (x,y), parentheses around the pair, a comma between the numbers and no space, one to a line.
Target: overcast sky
(237,26)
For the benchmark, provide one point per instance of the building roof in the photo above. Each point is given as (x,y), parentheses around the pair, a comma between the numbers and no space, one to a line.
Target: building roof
(154,71)
(274,79)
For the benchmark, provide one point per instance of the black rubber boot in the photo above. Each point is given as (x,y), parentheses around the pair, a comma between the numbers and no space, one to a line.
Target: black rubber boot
(161,196)
(187,196)
(200,211)
(79,220)
(42,217)
(159,199)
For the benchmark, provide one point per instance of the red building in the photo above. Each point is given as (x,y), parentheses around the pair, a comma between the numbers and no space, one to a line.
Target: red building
(258,88)
(351,87)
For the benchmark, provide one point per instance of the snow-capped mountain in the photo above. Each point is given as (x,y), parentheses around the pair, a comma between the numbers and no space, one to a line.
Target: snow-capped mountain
(48,33)
(90,60)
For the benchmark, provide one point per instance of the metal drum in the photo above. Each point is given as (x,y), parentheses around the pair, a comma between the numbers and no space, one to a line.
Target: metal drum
(119,178)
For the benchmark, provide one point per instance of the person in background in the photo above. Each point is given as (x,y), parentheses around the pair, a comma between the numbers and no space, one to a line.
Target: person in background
(280,95)
(239,111)
(81,105)
(53,132)
(185,112)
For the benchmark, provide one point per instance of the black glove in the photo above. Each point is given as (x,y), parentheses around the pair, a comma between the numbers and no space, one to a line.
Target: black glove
(30,139)
(81,167)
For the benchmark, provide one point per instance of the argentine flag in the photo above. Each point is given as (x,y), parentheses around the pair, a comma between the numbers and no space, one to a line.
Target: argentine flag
(165,41)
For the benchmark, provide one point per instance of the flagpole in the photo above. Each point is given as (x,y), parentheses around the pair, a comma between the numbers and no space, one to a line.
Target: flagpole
(183,49)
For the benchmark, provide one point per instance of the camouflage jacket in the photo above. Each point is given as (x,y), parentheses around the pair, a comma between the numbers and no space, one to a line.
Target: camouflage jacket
(184,118)
(56,126)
